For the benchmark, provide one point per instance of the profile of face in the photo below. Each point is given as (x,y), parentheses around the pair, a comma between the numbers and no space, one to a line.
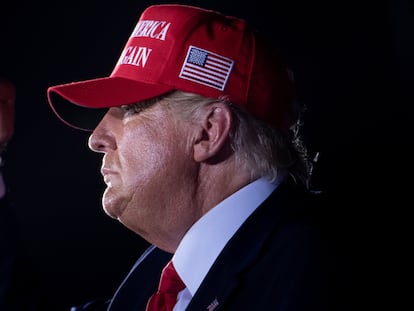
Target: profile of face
(148,168)
(7,102)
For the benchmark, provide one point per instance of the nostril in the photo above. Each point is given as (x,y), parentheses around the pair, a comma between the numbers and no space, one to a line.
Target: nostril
(101,141)
(94,143)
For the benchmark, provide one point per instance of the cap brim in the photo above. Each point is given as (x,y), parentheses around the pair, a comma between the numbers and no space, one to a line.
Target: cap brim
(71,102)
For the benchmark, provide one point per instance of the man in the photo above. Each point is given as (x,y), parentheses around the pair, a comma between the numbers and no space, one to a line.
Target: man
(7,233)
(202,158)
(20,286)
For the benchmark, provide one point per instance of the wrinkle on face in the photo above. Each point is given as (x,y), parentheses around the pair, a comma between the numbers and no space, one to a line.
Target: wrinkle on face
(152,188)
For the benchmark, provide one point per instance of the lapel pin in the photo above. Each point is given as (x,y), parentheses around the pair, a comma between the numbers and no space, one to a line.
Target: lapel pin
(213,305)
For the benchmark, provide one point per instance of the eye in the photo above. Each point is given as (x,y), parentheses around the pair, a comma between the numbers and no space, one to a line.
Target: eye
(128,109)
(136,108)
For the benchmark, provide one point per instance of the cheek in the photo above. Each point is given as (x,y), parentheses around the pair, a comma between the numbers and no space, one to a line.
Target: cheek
(144,154)
(156,169)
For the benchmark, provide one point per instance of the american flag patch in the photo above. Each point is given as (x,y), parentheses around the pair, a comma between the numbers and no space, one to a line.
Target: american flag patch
(206,68)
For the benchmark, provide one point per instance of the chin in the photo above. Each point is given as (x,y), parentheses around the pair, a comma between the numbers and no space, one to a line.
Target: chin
(110,214)
(109,207)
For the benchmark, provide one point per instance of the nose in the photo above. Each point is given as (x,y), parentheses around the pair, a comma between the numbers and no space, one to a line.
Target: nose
(101,140)
(95,143)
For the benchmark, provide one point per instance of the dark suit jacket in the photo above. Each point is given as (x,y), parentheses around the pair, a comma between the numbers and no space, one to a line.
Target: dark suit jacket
(20,289)
(7,254)
(280,259)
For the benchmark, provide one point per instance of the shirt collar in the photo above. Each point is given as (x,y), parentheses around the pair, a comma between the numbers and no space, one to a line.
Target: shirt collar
(203,242)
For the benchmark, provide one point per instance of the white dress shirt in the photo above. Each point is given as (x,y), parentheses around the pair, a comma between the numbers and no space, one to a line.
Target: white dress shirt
(205,240)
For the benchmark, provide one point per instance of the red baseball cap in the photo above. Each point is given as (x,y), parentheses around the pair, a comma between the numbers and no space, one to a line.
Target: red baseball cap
(181,47)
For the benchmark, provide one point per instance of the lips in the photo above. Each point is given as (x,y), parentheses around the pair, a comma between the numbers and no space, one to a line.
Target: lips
(106,173)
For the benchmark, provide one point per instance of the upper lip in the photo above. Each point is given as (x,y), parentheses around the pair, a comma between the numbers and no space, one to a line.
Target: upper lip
(105,171)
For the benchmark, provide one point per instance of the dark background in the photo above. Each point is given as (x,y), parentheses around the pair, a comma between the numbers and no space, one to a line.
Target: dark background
(353,66)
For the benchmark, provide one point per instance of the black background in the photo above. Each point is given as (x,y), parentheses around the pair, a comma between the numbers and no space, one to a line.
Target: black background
(353,66)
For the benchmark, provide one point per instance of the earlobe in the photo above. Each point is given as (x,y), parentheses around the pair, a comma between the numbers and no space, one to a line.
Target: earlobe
(216,123)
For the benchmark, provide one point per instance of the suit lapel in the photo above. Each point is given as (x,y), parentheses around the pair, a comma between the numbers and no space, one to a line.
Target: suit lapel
(226,273)
(141,282)
(241,252)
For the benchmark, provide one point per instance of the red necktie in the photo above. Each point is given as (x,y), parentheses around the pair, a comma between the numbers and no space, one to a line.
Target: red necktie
(166,296)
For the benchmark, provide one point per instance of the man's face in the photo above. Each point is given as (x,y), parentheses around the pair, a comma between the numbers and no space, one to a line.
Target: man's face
(7,100)
(148,168)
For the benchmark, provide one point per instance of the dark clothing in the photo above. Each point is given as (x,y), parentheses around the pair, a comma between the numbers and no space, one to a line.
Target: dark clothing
(279,259)
(7,253)
(20,286)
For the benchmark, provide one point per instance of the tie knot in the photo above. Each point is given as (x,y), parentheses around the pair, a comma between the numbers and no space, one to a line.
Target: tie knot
(170,280)
(166,296)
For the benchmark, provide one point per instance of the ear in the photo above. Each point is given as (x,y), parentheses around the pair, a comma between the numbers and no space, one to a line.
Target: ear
(216,122)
